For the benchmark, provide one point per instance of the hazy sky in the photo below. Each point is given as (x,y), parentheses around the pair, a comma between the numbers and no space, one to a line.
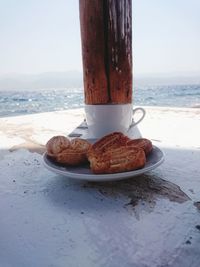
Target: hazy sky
(43,35)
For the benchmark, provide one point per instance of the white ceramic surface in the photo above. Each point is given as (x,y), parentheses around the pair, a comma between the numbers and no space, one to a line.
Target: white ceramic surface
(104,119)
(84,173)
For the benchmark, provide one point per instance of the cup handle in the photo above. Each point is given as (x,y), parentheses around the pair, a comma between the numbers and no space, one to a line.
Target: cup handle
(140,119)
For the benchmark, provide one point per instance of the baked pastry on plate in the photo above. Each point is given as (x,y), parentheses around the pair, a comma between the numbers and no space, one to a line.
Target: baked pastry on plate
(143,143)
(118,159)
(64,151)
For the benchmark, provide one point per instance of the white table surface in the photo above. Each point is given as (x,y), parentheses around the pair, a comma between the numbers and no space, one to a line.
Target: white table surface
(146,221)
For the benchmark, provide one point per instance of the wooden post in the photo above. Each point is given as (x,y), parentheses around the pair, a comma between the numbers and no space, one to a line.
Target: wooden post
(106,35)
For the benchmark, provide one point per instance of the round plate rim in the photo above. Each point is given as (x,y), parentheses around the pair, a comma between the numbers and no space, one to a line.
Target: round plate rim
(103,177)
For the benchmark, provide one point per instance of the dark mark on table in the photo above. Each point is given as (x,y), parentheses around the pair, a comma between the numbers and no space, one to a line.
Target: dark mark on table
(197,204)
(142,191)
(197,227)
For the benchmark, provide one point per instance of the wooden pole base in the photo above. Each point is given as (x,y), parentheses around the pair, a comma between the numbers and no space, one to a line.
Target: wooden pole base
(106,35)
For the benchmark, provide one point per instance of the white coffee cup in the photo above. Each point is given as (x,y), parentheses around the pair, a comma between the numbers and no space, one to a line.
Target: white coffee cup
(104,119)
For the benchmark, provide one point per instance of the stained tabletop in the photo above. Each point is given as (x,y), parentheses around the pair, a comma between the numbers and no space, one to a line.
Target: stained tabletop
(148,220)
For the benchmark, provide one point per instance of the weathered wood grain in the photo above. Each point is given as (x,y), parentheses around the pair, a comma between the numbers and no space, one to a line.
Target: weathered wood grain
(106,36)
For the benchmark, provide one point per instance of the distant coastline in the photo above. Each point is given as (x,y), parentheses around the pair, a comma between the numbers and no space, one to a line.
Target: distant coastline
(74,79)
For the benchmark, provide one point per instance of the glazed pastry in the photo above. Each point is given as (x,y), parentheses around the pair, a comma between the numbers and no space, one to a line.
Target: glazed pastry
(107,142)
(71,157)
(79,144)
(119,159)
(143,143)
(76,154)
(57,144)
(64,151)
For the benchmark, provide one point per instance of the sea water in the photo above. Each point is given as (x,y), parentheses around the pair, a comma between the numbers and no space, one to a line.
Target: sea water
(22,102)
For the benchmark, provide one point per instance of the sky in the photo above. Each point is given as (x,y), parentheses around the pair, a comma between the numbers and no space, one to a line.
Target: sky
(44,36)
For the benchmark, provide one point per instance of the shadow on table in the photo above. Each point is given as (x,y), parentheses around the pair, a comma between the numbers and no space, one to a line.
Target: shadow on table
(176,180)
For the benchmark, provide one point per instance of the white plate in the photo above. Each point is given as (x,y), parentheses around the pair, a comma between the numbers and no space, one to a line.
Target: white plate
(83,172)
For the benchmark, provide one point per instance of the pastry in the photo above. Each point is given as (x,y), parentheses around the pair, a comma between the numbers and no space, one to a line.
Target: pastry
(118,159)
(64,151)
(76,154)
(71,157)
(143,143)
(79,144)
(112,153)
(57,144)
(109,141)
